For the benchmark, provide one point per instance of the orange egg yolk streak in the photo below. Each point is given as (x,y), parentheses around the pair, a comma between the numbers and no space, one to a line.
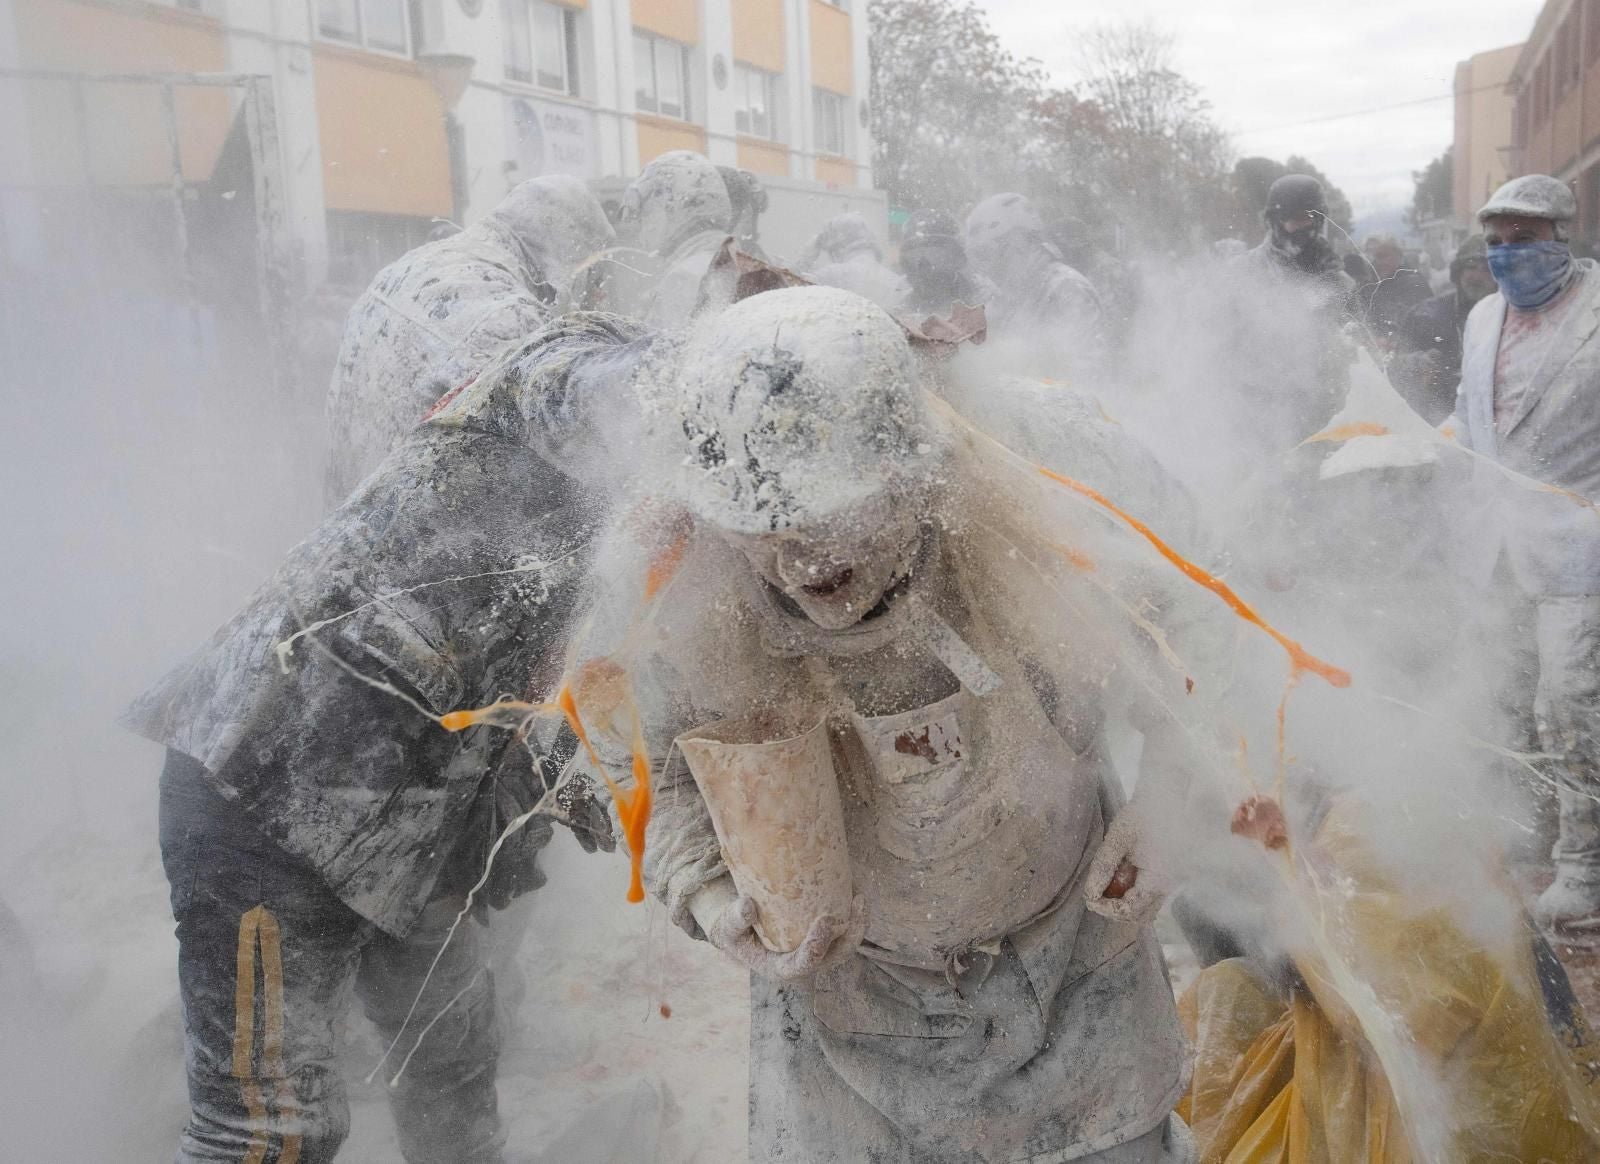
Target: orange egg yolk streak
(663,566)
(1346,432)
(1300,659)
(633,808)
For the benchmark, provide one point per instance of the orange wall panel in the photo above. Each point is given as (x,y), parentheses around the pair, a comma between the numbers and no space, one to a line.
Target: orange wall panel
(125,126)
(763,157)
(832,57)
(85,37)
(675,19)
(836,172)
(758,33)
(382,130)
(659,135)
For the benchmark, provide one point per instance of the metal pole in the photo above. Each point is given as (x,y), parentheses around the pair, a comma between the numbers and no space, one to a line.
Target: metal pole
(180,220)
(271,225)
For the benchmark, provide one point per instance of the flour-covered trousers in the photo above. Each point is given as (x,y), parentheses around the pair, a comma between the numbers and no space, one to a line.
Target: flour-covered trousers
(1062,1045)
(267,958)
(1567,709)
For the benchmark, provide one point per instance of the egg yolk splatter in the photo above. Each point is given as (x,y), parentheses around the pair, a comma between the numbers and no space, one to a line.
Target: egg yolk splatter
(1300,659)
(633,808)
(1346,432)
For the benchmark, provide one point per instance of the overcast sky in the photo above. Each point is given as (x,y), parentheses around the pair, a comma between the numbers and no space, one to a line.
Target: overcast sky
(1265,66)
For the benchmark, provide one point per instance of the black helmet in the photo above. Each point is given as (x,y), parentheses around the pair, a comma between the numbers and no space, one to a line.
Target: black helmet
(1473,249)
(925,226)
(1295,194)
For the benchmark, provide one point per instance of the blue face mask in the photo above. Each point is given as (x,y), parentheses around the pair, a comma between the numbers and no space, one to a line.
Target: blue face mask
(1531,274)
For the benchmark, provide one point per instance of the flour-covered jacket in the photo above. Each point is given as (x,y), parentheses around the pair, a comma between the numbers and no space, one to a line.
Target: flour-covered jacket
(449,577)
(996,1018)
(1552,541)
(432,319)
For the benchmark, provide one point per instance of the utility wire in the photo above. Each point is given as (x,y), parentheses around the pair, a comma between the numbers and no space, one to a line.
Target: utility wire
(1368,112)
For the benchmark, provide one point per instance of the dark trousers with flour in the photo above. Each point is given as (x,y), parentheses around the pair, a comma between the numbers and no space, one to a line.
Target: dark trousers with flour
(267,958)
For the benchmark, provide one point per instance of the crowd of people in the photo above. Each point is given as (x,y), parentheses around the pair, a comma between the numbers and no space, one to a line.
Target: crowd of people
(637,529)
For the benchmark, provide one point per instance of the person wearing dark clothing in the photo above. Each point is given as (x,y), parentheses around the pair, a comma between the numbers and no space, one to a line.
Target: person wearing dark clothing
(1285,304)
(1390,291)
(934,262)
(1427,365)
(749,201)
(320,826)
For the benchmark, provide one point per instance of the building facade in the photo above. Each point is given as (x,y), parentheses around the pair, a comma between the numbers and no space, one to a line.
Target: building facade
(1556,82)
(1485,109)
(392,114)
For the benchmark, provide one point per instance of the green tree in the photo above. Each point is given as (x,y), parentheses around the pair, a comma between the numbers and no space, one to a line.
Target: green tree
(1254,176)
(952,111)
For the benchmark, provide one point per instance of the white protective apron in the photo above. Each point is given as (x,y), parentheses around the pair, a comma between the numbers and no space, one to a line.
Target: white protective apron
(989,1016)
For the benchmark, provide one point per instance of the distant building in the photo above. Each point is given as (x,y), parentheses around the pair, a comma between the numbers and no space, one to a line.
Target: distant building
(1485,106)
(359,89)
(1557,121)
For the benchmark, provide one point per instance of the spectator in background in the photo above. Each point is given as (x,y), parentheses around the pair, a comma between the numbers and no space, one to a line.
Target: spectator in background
(749,200)
(845,254)
(1427,364)
(934,262)
(1391,289)
(1045,315)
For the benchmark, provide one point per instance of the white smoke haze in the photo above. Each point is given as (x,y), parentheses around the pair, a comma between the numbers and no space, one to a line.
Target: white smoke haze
(160,458)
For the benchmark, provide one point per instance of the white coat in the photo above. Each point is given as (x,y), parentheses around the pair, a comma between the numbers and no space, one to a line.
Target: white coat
(1552,540)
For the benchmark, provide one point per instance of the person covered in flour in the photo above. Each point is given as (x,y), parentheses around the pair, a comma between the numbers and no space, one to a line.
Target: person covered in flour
(874,702)
(432,319)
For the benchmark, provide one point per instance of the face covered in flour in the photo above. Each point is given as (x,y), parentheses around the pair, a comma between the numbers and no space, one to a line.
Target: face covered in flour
(842,571)
(811,452)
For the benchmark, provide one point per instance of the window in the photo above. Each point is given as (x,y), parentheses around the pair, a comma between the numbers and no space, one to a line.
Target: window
(360,243)
(541,42)
(661,74)
(381,25)
(841,5)
(755,105)
(828,115)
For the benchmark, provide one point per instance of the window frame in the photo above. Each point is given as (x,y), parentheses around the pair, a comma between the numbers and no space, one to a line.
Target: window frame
(743,76)
(658,44)
(360,40)
(572,73)
(824,99)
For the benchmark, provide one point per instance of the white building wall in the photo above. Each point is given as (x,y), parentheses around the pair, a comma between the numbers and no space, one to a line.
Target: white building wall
(802,156)
(592,135)
(861,66)
(275,39)
(715,56)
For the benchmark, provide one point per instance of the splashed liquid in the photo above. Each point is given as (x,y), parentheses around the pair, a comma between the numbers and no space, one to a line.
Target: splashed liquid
(633,807)
(1345,432)
(1300,659)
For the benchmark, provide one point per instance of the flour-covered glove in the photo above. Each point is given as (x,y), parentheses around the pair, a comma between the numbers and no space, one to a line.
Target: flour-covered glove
(731,929)
(1120,884)
(585,813)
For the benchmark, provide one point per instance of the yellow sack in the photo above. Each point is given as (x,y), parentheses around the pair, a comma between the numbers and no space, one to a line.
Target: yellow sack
(1507,1075)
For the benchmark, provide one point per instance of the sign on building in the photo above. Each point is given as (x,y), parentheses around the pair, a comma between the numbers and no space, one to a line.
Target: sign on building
(551,138)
